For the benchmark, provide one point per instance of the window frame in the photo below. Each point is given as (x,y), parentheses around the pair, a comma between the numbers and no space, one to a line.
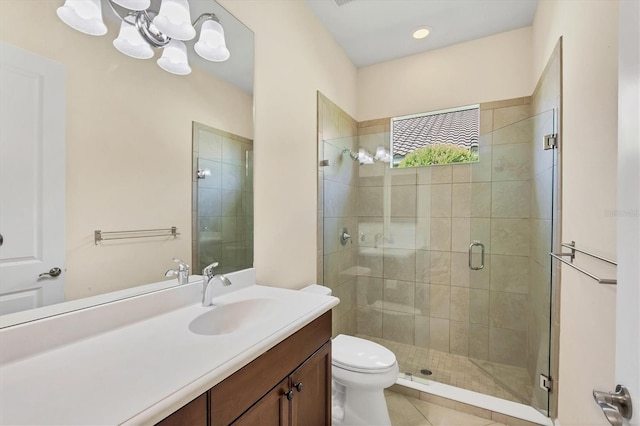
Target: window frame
(426,114)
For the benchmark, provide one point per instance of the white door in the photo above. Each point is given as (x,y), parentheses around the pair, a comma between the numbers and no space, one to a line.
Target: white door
(32,179)
(628,292)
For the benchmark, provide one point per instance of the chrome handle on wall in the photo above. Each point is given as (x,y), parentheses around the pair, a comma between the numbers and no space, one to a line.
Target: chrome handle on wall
(345,236)
(471,246)
(616,406)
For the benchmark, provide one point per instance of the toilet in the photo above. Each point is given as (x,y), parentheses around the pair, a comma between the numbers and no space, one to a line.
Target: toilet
(360,371)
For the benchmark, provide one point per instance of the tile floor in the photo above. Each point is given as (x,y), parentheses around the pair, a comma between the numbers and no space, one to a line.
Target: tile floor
(405,410)
(460,371)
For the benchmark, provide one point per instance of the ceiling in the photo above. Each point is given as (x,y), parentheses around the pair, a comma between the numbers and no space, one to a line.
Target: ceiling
(369,31)
(373,31)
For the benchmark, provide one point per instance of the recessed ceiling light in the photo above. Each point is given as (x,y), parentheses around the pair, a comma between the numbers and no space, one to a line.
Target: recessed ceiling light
(421,33)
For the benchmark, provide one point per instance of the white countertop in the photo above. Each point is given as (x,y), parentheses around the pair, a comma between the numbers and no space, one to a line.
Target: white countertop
(138,372)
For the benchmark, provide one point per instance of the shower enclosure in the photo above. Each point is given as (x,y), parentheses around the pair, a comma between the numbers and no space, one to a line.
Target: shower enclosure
(222,222)
(446,265)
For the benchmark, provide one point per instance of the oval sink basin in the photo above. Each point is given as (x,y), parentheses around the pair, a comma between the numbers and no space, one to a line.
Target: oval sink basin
(232,317)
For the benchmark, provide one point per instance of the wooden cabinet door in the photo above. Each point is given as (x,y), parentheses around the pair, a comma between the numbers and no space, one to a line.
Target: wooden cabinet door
(311,386)
(271,410)
(233,396)
(192,414)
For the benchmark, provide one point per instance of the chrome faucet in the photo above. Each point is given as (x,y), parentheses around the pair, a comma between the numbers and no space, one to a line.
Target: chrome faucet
(182,272)
(207,272)
(208,278)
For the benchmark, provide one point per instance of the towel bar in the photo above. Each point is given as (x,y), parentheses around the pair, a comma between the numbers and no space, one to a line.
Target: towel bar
(99,235)
(572,255)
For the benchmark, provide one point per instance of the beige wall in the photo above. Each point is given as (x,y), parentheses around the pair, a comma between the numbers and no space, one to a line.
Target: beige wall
(128,146)
(295,57)
(589,134)
(483,70)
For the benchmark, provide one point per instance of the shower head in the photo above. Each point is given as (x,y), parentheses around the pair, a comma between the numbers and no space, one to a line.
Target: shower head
(203,173)
(353,155)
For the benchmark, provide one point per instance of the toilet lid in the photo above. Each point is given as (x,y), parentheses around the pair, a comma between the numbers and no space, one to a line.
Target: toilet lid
(353,353)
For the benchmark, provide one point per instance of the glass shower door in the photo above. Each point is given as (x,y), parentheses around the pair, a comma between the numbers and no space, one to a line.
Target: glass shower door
(511,234)
(223,200)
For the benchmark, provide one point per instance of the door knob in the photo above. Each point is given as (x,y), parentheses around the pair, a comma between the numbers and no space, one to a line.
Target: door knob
(53,272)
(298,386)
(289,395)
(616,406)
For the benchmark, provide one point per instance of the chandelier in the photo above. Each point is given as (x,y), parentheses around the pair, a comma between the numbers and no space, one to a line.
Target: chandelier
(143,29)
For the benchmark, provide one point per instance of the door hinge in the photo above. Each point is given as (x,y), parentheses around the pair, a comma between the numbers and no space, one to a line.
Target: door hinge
(551,141)
(546,383)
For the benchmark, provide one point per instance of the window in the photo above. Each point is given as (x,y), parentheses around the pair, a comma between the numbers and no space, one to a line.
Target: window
(439,137)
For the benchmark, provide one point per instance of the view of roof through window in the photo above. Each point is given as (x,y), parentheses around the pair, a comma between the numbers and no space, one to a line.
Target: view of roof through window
(439,137)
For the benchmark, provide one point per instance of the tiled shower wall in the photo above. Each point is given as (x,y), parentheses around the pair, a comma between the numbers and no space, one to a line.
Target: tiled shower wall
(337,201)
(223,202)
(415,226)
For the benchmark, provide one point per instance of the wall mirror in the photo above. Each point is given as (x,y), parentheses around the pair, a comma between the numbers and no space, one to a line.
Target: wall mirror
(125,160)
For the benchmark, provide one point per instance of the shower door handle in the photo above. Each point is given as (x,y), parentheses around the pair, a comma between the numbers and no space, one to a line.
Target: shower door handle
(471,246)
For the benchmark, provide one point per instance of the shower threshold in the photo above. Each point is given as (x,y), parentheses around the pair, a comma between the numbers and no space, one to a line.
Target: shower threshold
(476,399)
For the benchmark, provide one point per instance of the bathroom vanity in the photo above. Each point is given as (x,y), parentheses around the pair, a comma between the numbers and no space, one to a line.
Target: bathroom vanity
(258,352)
(288,385)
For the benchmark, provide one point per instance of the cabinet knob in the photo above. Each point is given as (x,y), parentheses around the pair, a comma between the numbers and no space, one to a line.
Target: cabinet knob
(289,395)
(298,386)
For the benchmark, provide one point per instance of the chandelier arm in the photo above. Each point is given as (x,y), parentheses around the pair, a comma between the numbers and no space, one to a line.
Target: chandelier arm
(152,36)
(205,17)
(117,13)
(142,21)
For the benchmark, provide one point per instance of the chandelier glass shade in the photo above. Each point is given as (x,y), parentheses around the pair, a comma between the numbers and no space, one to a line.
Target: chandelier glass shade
(174,58)
(84,16)
(212,45)
(131,43)
(174,20)
(133,4)
(143,29)
(382,154)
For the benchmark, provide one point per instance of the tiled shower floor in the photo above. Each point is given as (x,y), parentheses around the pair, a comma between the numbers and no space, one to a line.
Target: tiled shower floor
(460,371)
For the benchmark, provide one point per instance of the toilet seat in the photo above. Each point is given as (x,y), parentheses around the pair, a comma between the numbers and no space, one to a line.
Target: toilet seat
(361,356)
